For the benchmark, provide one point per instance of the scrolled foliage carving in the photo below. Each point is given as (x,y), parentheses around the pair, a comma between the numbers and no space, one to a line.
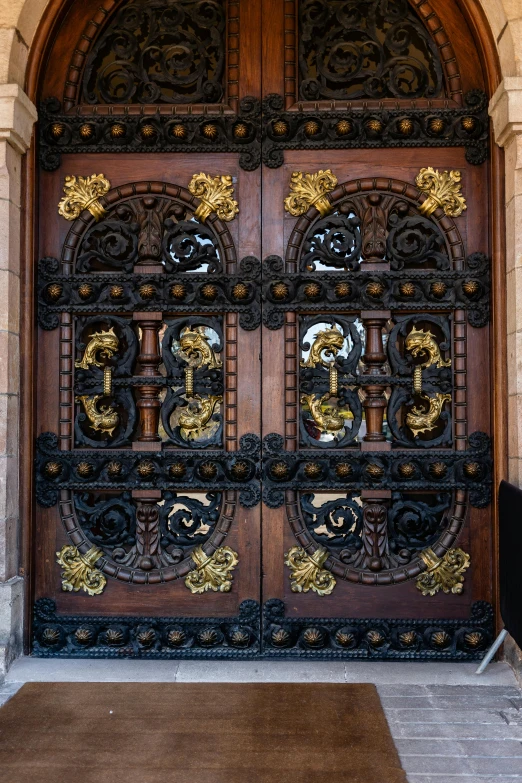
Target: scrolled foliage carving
(160,52)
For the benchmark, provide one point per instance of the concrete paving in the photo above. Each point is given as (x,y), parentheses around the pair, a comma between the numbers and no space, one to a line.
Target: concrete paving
(449,725)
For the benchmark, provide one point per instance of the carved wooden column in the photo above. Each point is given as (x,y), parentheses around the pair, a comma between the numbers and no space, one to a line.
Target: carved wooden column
(374,359)
(148,548)
(148,403)
(374,535)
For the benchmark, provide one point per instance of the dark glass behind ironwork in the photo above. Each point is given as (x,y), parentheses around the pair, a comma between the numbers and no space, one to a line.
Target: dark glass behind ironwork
(164,51)
(365,48)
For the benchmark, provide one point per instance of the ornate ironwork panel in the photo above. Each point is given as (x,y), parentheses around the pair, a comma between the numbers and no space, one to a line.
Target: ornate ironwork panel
(376,296)
(371,49)
(146,309)
(165,51)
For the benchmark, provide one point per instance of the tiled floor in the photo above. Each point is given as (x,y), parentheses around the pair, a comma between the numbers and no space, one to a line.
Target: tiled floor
(449,725)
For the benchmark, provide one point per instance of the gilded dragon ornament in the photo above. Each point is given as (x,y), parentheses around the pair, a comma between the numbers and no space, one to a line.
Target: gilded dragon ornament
(325,348)
(419,420)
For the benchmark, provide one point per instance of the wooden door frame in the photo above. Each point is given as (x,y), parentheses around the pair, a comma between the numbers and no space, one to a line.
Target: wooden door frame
(49,24)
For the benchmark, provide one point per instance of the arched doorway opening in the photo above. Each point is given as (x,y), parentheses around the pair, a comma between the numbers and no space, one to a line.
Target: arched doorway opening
(385,498)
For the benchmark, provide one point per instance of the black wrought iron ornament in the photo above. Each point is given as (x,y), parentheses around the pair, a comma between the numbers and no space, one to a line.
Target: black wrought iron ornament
(86,470)
(376,639)
(353,126)
(373,49)
(165,51)
(399,470)
(182,292)
(252,636)
(122,131)
(77,636)
(257,135)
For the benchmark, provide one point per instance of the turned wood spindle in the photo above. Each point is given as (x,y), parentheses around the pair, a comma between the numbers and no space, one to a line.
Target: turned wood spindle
(148,403)
(374,359)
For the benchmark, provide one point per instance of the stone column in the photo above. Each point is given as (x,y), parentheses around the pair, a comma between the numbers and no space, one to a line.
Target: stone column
(506,112)
(17,116)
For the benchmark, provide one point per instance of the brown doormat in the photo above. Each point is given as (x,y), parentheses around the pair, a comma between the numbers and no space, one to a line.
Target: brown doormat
(196,733)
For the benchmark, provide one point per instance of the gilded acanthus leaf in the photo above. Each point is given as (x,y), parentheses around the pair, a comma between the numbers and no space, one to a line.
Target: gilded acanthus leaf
(79,572)
(213,572)
(83,193)
(310,190)
(443,190)
(216,195)
(307,572)
(446,573)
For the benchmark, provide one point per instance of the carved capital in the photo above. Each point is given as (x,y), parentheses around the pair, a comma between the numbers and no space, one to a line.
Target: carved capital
(79,572)
(83,193)
(307,572)
(505,109)
(309,190)
(17,117)
(213,572)
(446,573)
(443,190)
(216,195)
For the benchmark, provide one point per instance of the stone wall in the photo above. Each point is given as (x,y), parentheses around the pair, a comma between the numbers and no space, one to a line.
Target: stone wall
(19,20)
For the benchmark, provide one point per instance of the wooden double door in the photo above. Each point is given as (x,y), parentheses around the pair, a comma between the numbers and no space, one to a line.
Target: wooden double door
(263,420)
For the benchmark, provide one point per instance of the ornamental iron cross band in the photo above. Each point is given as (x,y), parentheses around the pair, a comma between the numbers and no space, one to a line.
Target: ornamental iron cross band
(255,428)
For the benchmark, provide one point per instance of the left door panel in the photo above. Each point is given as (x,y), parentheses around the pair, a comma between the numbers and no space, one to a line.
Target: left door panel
(147,483)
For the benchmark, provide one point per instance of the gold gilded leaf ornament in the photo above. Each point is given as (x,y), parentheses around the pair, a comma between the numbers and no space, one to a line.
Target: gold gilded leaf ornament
(443,190)
(78,571)
(83,193)
(307,572)
(446,573)
(212,572)
(216,195)
(310,190)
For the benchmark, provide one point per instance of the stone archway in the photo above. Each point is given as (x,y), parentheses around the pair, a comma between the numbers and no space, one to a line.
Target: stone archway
(25,28)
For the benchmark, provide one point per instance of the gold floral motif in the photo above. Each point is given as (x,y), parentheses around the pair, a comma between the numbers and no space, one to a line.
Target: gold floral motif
(83,193)
(104,342)
(78,570)
(309,190)
(442,190)
(446,573)
(212,572)
(102,419)
(308,572)
(215,194)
